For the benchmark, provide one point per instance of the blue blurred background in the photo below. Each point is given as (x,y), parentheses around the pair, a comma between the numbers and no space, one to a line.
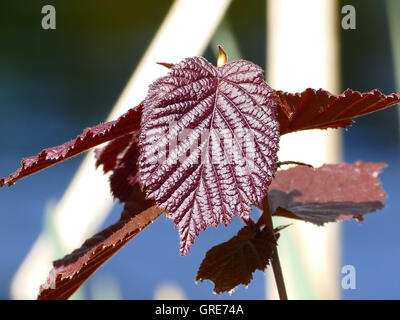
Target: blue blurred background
(54,84)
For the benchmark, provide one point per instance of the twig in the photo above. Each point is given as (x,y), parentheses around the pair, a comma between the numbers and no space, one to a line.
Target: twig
(282,163)
(276,265)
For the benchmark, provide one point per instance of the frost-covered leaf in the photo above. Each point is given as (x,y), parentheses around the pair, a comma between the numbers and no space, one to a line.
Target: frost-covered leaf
(320,109)
(232,263)
(330,193)
(208,143)
(90,138)
(69,273)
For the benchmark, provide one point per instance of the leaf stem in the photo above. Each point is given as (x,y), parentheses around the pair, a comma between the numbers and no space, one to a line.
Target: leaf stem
(283,163)
(276,265)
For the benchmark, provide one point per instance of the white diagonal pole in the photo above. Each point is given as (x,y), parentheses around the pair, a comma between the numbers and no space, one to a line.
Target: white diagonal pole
(186,31)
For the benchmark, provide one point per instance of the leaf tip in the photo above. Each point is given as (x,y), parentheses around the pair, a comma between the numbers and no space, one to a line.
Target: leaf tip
(6,181)
(222,57)
(166,64)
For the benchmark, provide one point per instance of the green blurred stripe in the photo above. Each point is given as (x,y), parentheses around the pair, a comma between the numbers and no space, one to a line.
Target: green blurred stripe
(393,14)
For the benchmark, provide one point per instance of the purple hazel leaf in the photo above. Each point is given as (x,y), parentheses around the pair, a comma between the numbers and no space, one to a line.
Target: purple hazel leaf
(320,109)
(91,137)
(70,272)
(120,156)
(333,192)
(233,262)
(110,156)
(125,175)
(209,142)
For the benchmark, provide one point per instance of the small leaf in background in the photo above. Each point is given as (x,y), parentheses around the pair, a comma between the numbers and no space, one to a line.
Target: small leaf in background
(232,263)
(320,109)
(333,192)
(208,144)
(126,175)
(90,138)
(70,272)
(121,156)
(110,155)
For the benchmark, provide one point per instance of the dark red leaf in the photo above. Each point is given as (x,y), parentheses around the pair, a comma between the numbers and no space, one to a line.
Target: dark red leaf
(121,156)
(208,143)
(90,138)
(330,193)
(233,262)
(73,270)
(125,175)
(320,109)
(110,155)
